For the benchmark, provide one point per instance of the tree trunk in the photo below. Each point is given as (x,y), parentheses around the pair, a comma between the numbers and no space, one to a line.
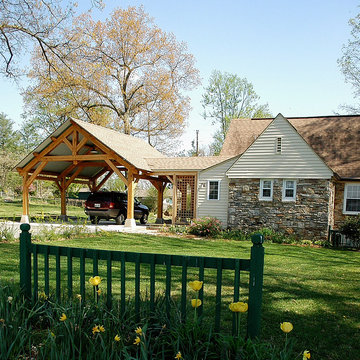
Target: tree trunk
(127,127)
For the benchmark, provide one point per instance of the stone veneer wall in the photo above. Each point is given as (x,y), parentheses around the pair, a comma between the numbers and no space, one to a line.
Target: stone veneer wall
(339,216)
(307,217)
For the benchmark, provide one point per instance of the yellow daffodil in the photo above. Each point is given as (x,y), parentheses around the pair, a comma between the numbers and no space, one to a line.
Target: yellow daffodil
(95,281)
(117,338)
(98,291)
(286,327)
(137,341)
(196,285)
(101,328)
(42,295)
(306,355)
(95,329)
(52,334)
(238,307)
(139,331)
(63,317)
(78,296)
(178,355)
(195,303)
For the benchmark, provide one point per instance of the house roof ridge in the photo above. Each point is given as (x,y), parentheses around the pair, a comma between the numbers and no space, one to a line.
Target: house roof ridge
(307,117)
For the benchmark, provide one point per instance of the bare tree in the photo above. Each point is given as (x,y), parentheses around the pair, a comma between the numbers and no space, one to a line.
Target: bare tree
(125,73)
(350,64)
(24,23)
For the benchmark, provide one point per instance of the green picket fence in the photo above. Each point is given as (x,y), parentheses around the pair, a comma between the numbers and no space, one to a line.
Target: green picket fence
(29,274)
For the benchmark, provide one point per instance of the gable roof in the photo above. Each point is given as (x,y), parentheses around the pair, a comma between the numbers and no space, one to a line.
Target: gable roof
(131,149)
(336,139)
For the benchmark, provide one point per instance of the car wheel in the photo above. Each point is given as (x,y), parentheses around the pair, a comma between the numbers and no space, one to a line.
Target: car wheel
(144,219)
(120,219)
(94,219)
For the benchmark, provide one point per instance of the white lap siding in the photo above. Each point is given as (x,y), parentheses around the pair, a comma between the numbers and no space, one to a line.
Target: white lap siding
(295,160)
(214,208)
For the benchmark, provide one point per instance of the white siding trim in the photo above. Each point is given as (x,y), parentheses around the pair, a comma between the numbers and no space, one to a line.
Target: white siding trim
(288,199)
(266,198)
(208,189)
(214,208)
(297,159)
(345,197)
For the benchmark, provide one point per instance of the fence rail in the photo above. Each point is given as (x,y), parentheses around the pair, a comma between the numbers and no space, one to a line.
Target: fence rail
(338,239)
(29,274)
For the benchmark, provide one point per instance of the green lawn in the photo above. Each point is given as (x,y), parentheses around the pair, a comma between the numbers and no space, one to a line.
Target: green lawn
(316,289)
(39,209)
(13,210)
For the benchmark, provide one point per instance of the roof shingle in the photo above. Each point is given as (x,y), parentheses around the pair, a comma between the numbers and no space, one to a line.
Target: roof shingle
(195,163)
(336,139)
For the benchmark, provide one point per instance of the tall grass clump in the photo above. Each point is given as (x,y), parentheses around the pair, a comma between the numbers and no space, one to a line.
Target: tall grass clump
(77,329)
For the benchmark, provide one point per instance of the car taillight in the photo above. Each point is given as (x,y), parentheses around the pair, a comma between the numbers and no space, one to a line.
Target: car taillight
(111,205)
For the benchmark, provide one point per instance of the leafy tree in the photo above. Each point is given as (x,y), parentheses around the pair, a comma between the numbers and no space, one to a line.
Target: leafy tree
(8,137)
(350,63)
(227,97)
(115,184)
(9,152)
(125,73)
(31,135)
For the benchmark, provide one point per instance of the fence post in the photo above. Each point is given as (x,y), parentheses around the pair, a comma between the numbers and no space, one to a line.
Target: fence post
(25,260)
(329,235)
(255,286)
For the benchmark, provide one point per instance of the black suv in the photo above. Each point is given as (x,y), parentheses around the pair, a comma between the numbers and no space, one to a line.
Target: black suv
(113,205)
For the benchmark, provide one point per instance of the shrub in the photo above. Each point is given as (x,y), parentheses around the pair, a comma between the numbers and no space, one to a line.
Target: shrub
(351,228)
(274,236)
(234,234)
(207,226)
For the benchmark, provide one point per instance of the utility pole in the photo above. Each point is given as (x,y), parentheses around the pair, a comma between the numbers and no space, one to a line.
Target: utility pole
(197,142)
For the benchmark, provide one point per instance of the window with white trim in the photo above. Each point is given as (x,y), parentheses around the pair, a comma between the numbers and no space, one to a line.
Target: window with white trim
(266,190)
(352,199)
(289,190)
(213,189)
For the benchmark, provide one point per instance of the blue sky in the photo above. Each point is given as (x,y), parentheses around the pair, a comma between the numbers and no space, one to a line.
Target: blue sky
(287,49)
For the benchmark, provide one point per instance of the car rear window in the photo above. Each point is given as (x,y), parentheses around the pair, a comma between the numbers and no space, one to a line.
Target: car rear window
(100,196)
(122,196)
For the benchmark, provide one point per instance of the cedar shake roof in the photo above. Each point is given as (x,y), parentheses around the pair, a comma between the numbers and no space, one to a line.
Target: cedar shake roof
(195,163)
(336,139)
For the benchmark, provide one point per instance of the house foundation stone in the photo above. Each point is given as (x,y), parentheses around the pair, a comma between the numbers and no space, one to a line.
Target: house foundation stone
(306,218)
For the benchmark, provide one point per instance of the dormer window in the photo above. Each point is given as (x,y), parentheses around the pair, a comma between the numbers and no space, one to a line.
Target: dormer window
(278,145)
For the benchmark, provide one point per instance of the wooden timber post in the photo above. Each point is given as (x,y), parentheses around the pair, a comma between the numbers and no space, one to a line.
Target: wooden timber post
(63,199)
(160,202)
(25,198)
(174,209)
(130,221)
(160,187)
